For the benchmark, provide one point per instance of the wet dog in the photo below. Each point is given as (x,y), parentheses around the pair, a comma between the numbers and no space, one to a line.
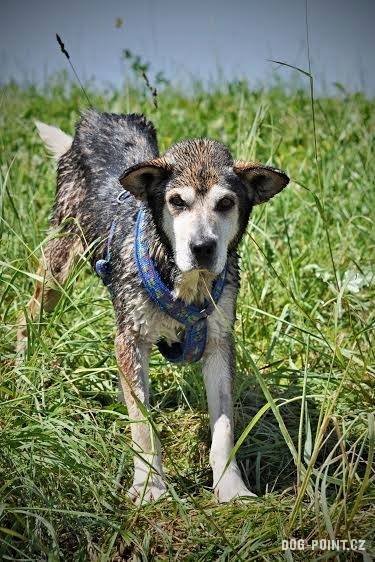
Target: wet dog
(195,202)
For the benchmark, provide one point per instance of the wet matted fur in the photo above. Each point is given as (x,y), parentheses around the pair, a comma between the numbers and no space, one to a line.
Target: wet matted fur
(198,202)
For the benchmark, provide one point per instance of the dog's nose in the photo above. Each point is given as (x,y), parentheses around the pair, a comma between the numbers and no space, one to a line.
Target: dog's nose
(203,251)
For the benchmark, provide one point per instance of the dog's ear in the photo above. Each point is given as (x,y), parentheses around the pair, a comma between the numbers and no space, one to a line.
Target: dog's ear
(141,178)
(262,182)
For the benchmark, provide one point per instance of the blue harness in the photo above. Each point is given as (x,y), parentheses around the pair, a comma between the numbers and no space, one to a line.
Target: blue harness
(192,317)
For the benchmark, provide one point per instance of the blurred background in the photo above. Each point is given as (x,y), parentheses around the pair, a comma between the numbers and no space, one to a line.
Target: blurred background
(209,40)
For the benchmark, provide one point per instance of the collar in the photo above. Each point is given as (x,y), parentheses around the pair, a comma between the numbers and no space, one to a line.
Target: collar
(193,318)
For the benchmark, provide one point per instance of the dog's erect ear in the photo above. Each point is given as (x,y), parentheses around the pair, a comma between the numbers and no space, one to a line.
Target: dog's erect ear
(141,178)
(263,182)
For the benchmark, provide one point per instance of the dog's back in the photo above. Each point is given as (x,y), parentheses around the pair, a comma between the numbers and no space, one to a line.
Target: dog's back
(86,202)
(87,181)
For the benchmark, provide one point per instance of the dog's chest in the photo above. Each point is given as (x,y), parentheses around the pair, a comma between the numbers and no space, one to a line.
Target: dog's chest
(152,324)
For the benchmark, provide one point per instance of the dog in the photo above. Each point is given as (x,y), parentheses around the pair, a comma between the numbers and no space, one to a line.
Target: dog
(195,202)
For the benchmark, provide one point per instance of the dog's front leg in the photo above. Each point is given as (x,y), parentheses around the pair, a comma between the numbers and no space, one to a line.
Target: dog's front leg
(132,358)
(218,373)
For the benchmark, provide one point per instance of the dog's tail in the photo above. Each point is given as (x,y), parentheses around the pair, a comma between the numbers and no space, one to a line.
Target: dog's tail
(54,138)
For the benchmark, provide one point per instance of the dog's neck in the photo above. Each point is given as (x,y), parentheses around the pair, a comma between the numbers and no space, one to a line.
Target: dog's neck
(191,287)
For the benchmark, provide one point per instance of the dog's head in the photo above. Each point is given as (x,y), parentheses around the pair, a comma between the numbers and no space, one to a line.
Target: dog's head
(201,199)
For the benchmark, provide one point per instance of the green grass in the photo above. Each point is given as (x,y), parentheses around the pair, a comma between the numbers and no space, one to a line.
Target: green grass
(304,391)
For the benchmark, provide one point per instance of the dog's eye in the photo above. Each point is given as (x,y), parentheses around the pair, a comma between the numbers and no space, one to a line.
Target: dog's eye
(178,202)
(224,204)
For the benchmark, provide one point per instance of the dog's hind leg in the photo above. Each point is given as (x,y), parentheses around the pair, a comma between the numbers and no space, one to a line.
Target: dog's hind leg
(132,359)
(58,257)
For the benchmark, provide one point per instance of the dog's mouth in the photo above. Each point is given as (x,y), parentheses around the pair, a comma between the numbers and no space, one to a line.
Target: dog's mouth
(198,270)
(190,265)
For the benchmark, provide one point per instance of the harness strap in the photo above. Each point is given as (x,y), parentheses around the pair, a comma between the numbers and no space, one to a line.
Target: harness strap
(103,266)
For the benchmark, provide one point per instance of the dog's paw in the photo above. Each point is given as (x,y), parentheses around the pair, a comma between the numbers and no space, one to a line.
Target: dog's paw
(231,487)
(146,492)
